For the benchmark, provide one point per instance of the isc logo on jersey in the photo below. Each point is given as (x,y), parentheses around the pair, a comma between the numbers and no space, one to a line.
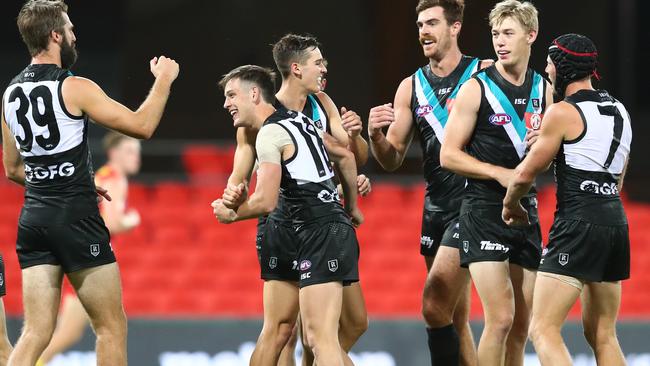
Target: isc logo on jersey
(50,172)
(500,119)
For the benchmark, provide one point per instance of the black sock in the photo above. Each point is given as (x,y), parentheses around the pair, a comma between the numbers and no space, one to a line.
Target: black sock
(444,346)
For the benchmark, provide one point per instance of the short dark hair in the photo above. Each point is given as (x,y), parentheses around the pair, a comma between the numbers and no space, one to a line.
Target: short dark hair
(37,19)
(263,77)
(292,48)
(453,8)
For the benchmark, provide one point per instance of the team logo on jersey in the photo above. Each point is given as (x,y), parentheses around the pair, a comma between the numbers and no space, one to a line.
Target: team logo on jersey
(423,110)
(273,262)
(2,279)
(500,119)
(305,265)
(94,249)
(536,103)
(535,121)
(465,246)
(319,124)
(333,265)
(564,258)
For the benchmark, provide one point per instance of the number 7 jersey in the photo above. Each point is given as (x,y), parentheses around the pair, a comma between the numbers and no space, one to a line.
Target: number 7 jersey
(588,168)
(59,185)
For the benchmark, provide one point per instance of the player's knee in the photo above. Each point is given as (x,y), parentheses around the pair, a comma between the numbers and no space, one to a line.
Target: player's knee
(39,336)
(519,330)
(501,325)
(113,326)
(599,337)
(355,326)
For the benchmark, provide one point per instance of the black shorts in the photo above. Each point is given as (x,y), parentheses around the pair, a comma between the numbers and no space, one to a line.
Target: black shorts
(438,228)
(486,238)
(3,283)
(277,251)
(588,252)
(328,252)
(82,244)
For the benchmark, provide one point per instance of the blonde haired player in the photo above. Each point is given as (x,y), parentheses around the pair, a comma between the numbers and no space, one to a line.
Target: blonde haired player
(485,140)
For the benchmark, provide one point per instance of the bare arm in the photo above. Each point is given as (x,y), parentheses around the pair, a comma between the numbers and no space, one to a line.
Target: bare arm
(347,172)
(84,96)
(390,149)
(346,129)
(265,198)
(458,131)
(236,189)
(622,177)
(117,218)
(13,163)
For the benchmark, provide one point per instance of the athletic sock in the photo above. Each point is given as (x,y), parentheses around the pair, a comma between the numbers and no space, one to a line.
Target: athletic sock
(444,346)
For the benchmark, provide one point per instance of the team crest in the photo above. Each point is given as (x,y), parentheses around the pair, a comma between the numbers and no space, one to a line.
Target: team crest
(94,249)
(423,110)
(564,258)
(535,121)
(273,262)
(535,103)
(465,246)
(319,124)
(333,265)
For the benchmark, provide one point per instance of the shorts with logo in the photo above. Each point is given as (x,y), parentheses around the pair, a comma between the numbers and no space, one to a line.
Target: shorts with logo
(3,285)
(486,238)
(81,244)
(438,228)
(328,252)
(587,251)
(277,251)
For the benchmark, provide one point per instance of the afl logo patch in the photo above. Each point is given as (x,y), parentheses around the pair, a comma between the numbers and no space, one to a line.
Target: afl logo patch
(500,119)
(535,121)
(423,110)
(305,265)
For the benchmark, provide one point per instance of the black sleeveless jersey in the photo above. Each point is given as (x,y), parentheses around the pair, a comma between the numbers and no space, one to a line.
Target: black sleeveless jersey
(588,168)
(307,189)
(505,113)
(315,111)
(431,102)
(59,185)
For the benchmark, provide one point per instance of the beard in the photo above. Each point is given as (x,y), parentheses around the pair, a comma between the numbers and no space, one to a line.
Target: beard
(68,53)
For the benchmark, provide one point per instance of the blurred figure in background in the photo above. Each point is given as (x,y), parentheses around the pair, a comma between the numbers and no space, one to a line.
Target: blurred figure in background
(123,160)
(5,345)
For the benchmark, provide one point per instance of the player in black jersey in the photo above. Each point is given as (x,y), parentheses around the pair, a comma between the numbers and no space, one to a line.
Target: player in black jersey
(44,131)
(588,135)
(484,141)
(294,157)
(422,103)
(302,78)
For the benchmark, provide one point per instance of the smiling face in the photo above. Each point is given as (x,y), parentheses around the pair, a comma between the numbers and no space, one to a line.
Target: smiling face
(435,34)
(311,70)
(512,42)
(239,102)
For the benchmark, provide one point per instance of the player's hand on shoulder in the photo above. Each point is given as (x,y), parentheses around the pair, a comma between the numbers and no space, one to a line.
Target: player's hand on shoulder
(234,196)
(515,216)
(223,213)
(380,116)
(363,185)
(351,122)
(164,67)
